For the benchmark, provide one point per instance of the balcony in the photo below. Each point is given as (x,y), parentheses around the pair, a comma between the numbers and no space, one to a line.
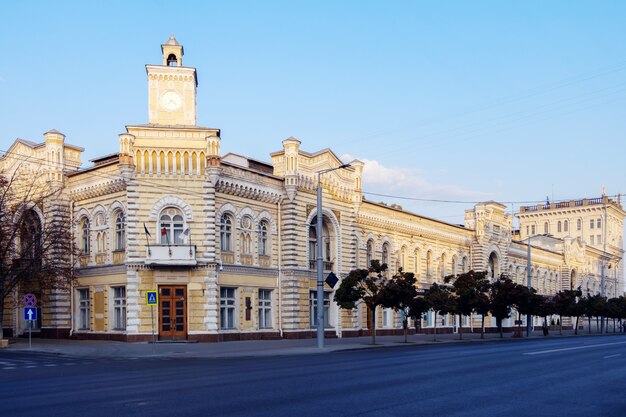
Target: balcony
(328,266)
(173,255)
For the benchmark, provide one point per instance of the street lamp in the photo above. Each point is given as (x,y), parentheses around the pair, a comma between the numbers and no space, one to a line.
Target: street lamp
(529,282)
(320,263)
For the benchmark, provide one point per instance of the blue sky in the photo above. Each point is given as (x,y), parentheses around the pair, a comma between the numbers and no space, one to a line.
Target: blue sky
(455,100)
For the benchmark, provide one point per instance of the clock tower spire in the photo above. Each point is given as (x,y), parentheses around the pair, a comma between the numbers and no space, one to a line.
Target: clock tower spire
(172,88)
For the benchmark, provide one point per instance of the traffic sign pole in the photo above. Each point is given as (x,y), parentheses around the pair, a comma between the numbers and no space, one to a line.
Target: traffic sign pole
(152,318)
(30,339)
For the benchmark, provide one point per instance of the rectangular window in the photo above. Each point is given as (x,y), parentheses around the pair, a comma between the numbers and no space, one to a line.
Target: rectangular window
(119,308)
(313,308)
(265,309)
(532,230)
(599,239)
(527,230)
(599,224)
(387,317)
(591,238)
(83,309)
(227,308)
(591,223)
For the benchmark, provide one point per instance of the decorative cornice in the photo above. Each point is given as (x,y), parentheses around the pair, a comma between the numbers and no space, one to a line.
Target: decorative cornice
(248,190)
(105,188)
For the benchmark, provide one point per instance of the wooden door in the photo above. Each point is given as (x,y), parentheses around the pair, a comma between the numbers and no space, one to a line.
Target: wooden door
(172,312)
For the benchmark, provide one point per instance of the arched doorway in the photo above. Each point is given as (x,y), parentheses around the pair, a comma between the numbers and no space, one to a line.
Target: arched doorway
(493,266)
(572,279)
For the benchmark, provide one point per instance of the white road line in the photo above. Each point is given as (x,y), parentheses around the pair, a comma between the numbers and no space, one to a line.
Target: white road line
(612,356)
(50,364)
(8,367)
(540,352)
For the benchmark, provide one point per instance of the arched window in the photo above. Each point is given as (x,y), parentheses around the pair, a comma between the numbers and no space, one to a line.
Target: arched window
(263,242)
(120,231)
(172,61)
(429,264)
(464,264)
(558,227)
(85,236)
(443,265)
(416,266)
(325,244)
(30,237)
(172,225)
(454,262)
(546,228)
(403,258)
(579,224)
(246,229)
(385,254)
(566,226)
(368,254)
(226,226)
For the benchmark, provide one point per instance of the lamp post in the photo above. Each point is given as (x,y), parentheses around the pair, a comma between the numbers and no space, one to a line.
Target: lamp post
(320,262)
(529,283)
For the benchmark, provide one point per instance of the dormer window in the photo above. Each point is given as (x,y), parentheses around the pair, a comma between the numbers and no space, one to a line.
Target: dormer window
(172,61)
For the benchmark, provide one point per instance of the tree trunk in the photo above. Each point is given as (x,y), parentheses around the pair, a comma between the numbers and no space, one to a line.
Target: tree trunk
(500,326)
(460,327)
(1,316)
(435,332)
(613,325)
(589,320)
(482,326)
(405,327)
(373,324)
(576,329)
(560,325)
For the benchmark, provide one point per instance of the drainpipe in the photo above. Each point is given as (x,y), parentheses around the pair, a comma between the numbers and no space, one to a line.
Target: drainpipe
(278,277)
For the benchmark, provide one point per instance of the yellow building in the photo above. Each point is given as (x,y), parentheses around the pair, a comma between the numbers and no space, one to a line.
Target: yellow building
(229,241)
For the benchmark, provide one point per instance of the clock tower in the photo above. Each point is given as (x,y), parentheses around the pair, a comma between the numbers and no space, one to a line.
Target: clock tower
(172,88)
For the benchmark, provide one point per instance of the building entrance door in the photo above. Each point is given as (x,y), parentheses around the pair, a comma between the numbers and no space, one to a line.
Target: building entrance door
(172,312)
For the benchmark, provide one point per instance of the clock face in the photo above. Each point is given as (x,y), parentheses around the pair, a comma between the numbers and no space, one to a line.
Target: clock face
(171,100)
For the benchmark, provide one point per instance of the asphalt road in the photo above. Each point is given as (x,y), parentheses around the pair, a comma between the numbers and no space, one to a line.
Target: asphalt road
(583,376)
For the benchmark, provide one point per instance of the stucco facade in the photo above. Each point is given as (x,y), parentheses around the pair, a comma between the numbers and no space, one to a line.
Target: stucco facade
(227,241)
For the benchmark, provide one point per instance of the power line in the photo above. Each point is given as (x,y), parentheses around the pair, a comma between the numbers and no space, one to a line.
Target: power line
(430,200)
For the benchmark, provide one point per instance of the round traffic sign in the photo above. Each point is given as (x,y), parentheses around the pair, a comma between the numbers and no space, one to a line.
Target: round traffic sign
(30,300)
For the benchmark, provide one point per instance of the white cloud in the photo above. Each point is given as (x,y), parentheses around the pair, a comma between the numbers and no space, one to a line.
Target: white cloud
(410,182)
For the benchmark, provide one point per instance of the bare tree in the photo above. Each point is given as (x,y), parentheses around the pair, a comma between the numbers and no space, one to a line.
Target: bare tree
(36,245)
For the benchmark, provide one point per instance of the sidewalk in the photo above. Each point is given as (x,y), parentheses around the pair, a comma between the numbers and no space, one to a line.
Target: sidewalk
(108,349)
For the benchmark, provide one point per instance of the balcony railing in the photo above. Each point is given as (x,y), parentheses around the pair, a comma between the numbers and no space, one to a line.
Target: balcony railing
(83,260)
(328,266)
(174,255)
(264,261)
(119,256)
(101,258)
(246,260)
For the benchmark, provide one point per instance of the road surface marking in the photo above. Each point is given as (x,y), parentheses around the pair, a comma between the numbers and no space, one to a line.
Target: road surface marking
(540,352)
(612,356)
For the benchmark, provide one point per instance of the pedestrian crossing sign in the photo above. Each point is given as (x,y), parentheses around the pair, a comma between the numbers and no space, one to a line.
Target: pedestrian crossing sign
(151,298)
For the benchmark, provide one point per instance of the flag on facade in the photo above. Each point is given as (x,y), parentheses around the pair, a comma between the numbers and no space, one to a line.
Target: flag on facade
(184,234)
(146,230)
(163,231)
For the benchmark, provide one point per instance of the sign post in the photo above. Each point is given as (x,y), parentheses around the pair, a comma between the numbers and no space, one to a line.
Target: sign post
(30,314)
(152,300)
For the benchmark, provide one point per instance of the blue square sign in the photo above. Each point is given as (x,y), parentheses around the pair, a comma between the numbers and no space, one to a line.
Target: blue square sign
(30,313)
